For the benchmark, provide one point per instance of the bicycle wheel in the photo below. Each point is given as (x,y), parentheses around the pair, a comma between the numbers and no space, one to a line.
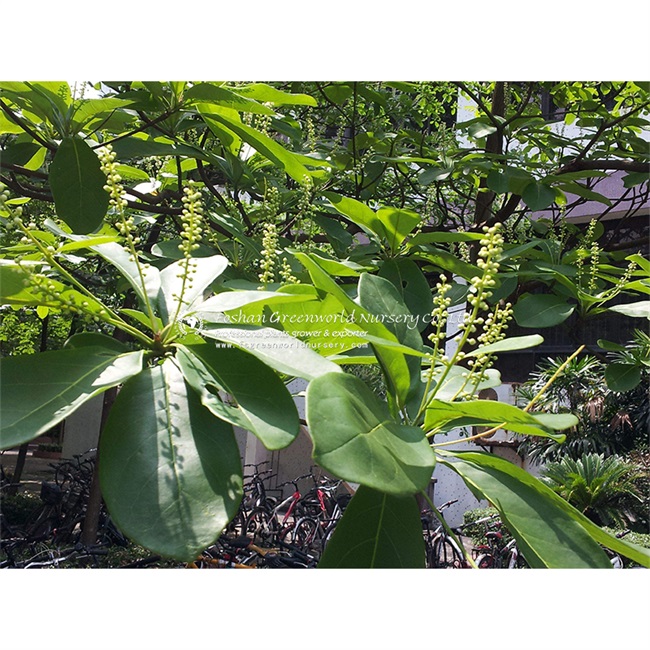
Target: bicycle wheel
(262,526)
(445,555)
(306,535)
(486,561)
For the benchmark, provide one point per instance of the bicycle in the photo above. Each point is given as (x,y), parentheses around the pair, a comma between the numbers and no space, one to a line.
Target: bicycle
(497,553)
(442,550)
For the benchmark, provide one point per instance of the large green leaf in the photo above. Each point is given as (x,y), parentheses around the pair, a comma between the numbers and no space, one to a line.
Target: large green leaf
(181,289)
(508,345)
(639,309)
(356,439)
(621,377)
(546,532)
(357,212)
(38,391)
(170,471)
(541,310)
(393,362)
(490,413)
(381,299)
(275,348)
(145,280)
(398,223)
(550,532)
(538,196)
(259,401)
(447,262)
(264,145)
(77,184)
(213,308)
(377,531)
(265,93)
(413,287)
(455,381)
(212,93)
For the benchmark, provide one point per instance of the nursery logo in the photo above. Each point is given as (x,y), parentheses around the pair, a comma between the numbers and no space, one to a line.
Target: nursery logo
(190,324)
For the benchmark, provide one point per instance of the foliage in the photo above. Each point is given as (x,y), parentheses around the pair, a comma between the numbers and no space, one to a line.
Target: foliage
(604,489)
(610,422)
(477,531)
(18,508)
(213,240)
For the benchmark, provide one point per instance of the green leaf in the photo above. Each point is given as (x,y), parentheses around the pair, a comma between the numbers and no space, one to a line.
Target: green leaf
(38,391)
(481,129)
(261,402)
(377,531)
(95,339)
(77,184)
(212,309)
(87,109)
(541,310)
(548,530)
(456,381)
(639,309)
(211,93)
(356,439)
(275,348)
(136,274)
(441,414)
(447,262)
(508,345)
(380,298)
(265,93)
(406,277)
(445,237)
(359,213)
(170,471)
(621,377)
(538,196)
(265,146)
(182,290)
(397,224)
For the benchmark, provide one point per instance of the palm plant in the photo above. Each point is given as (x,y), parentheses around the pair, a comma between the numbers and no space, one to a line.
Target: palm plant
(604,489)
(609,422)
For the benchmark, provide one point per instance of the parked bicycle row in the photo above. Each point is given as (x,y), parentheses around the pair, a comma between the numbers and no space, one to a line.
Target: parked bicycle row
(303,520)
(446,547)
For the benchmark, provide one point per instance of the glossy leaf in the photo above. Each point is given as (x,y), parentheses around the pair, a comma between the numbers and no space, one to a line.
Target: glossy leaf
(397,224)
(538,196)
(213,308)
(38,391)
(77,184)
(639,309)
(258,399)
(377,531)
(441,414)
(621,377)
(356,439)
(508,345)
(541,310)
(406,277)
(275,348)
(265,146)
(179,295)
(447,262)
(548,530)
(171,479)
(380,298)
(358,212)
(95,339)
(265,93)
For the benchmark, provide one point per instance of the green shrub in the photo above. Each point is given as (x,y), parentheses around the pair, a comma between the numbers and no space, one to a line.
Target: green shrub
(18,508)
